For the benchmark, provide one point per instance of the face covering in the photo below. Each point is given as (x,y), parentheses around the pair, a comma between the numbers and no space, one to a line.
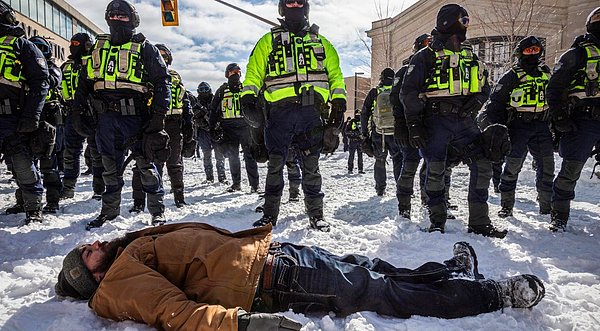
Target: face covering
(294,19)
(120,32)
(234,82)
(76,51)
(387,81)
(530,61)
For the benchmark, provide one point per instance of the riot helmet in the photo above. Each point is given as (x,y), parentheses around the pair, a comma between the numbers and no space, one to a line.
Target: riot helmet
(204,87)
(293,13)
(592,24)
(453,19)
(43,45)
(387,77)
(122,19)
(166,54)
(421,42)
(7,14)
(232,67)
(529,51)
(81,44)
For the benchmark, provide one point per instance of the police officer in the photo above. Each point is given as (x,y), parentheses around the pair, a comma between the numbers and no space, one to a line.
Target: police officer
(352,130)
(52,113)
(377,122)
(205,143)
(410,155)
(440,103)
(226,111)
(21,107)
(519,102)
(122,68)
(574,100)
(80,47)
(299,71)
(179,127)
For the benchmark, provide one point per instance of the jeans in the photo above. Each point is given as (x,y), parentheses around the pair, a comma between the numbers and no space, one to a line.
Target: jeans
(313,280)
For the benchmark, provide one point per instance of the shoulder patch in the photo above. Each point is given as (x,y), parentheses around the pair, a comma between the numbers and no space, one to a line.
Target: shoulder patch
(498,87)
(410,69)
(41,62)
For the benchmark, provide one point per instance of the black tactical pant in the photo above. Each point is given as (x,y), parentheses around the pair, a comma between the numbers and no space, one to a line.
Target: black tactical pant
(237,133)
(382,146)
(206,144)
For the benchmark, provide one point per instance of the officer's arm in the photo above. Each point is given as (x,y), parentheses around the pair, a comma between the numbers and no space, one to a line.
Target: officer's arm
(188,114)
(558,86)
(395,95)
(85,86)
(500,98)
(413,84)
(367,108)
(214,111)
(54,76)
(337,86)
(158,76)
(35,71)
(256,71)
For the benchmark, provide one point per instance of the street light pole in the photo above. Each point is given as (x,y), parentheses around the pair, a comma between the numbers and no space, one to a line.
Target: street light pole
(356,88)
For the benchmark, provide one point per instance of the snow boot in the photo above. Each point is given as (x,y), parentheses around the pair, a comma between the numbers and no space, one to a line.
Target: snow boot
(99,221)
(522,291)
(50,208)
(318,223)
(158,219)
(265,220)
(487,230)
(557,223)
(34,216)
(505,212)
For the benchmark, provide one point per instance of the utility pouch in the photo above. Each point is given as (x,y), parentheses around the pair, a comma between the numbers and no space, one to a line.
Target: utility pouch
(42,140)
(308,96)
(591,89)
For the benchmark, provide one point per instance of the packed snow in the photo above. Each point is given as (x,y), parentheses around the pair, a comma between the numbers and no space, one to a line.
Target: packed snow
(568,263)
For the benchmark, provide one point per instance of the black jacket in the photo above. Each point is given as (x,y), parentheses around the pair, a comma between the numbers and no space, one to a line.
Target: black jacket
(367,111)
(35,71)
(202,112)
(395,96)
(216,114)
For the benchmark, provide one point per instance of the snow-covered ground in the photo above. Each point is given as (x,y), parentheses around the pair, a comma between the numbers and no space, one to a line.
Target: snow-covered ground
(568,263)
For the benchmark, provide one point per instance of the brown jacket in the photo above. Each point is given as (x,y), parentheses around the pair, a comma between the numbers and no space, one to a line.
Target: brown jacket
(186,276)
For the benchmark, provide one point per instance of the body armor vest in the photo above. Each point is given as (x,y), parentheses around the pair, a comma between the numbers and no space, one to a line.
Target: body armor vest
(70,79)
(10,66)
(230,104)
(177,93)
(530,94)
(585,82)
(116,67)
(454,74)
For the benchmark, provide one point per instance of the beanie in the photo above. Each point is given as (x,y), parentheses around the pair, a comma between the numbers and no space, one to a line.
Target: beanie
(75,280)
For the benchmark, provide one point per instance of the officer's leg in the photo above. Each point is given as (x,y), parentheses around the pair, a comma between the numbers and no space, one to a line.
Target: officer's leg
(28,179)
(294,176)
(379,171)
(542,150)
(311,176)
(151,184)
(519,138)
(249,161)
(110,141)
(395,154)
(405,184)
(360,156)
(220,163)
(139,197)
(72,156)
(235,166)
(351,151)
(52,182)
(207,163)
(175,161)
(97,167)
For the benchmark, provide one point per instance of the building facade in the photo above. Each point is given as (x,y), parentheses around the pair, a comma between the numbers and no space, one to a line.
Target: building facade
(357,88)
(495,28)
(54,20)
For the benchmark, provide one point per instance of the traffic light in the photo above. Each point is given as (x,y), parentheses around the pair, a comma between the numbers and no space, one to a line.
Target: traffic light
(169,14)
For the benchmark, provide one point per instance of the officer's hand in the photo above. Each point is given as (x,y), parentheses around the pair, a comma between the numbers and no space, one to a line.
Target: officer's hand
(564,125)
(367,146)
(188,132)
(401,135)
(417,135)
(265,322)
(83,127)
(27,125)
(156,123)
(336,117)
(252,115)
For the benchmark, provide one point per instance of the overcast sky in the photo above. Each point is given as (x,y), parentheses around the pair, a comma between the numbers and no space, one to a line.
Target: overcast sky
(211,35)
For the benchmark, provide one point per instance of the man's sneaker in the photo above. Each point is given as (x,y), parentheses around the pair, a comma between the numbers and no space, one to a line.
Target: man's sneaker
(265,220)
(523,291)
(16,209)
(33,217)
(557,223)
(318,223)
(99,221)
(67,193)
(233,188)
(404,213)
(465,254)
(436,227)
(505,212)
(50,208)
(158,219)
(138,207)
(487,230)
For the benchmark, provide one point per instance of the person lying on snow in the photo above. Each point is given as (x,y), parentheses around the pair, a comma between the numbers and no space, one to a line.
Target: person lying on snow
(193,276)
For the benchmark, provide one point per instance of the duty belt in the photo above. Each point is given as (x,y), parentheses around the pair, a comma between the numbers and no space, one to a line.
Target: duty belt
(8,107)
(127,107)
(593,111)
(529,117)
(445,108)
(175,111)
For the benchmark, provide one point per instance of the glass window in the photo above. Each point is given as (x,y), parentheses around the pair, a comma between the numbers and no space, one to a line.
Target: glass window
(48,14)
(69,27)
(40,11)
(62,27)
(56,21)
(25,7)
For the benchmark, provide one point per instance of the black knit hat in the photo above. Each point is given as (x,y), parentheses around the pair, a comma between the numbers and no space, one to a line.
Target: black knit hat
(448,16)
(75,280)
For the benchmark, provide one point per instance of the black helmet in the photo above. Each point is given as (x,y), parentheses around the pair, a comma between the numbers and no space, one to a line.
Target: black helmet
(81,43)
(43,45)
(167,56)
(592,23)
(122,7)
(387,76)
(448,16)
(7,14)
(230,67)
(204,87)
(421,41)
(281,7)
(529,47)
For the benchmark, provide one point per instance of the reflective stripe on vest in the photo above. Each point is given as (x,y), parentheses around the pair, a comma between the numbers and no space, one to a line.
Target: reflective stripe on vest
(585,81)
(295,63)
(116,67)
(230,105)
(530,94)
(176,93)
(10,66)
(455,73)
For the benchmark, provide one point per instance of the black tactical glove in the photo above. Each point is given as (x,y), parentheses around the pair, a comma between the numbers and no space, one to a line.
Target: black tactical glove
(336,116)
(156,123)
(265,322)
(42,141)
(156,146)
(472,106)
(188,131)
(367,146)
(189,148)
(83,125)
(331,140)
(253,116)
(216,134)
(417,135)
(27,125)
(564,125)
(401,135)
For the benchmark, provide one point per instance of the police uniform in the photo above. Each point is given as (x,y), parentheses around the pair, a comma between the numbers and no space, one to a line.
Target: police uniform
(352,131)
(573,95)
(299,72)
(118,78)
(205,143)
(23,89)
(226,110)
(519,102)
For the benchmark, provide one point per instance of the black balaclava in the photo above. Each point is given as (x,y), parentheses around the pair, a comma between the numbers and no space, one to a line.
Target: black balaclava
(295,19)
(593,23)
(234,82)
(84,43)
(529,62)
(121,32)
(447,21)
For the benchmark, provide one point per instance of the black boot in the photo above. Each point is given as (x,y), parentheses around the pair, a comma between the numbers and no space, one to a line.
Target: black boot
(158,219)
(138,206)
(265,220)
(558,223)
(99,221)
(67,193)
(405,213)
(234,188)
(33,217)
(50,208)
(505,212)
(318,223)
(522,291)
(179,200)
(15,209)
(487,230)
